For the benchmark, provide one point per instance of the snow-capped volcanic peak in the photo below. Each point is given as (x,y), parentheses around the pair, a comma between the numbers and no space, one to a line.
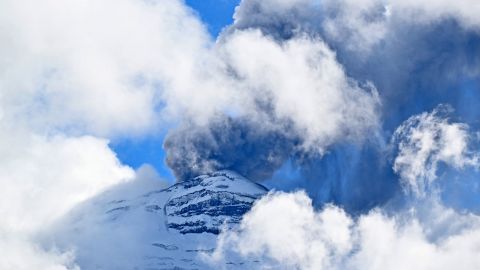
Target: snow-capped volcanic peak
(208,202)
(147,226)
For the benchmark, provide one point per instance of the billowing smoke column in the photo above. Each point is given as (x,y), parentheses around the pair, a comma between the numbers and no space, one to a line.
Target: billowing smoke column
(414,57)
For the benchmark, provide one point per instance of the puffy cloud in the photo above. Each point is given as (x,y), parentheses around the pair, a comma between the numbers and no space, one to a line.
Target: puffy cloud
(465,10)
(426,140)
(355,25)
(304,84)
(369,24)
(363,23)
(22,254)
(107,66)
(42,178)
(287,232)
(301,237)
(294,95)
(278,18)
(109,75)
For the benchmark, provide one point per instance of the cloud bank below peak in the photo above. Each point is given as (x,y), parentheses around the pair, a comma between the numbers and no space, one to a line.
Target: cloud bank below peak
(285,230)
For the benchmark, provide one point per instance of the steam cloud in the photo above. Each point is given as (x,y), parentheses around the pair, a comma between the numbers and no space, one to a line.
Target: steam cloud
(412,55)
(287,232)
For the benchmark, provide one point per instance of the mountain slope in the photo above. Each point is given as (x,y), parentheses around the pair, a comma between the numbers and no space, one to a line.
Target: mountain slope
(204,203)
(167,228)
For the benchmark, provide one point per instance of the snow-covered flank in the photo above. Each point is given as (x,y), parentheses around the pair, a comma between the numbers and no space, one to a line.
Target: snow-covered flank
(151,227)
(207,202)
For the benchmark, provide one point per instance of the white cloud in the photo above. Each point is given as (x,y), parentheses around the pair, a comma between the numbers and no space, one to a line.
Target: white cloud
(124,67)
(285,228)
(22,254)
(465,11)
(362,23)
(426,140)
(96,66)
(286,232)
(41,179)
(368,22)
(356,25)
(304,84)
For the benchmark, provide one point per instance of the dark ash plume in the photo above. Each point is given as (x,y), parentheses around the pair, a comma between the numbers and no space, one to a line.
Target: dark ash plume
(227,143)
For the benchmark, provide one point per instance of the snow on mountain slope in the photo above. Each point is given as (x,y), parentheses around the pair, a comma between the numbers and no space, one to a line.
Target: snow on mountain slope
(154,228)
(204,203)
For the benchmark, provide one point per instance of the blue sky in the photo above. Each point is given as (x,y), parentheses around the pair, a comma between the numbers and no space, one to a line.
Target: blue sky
(215,13)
